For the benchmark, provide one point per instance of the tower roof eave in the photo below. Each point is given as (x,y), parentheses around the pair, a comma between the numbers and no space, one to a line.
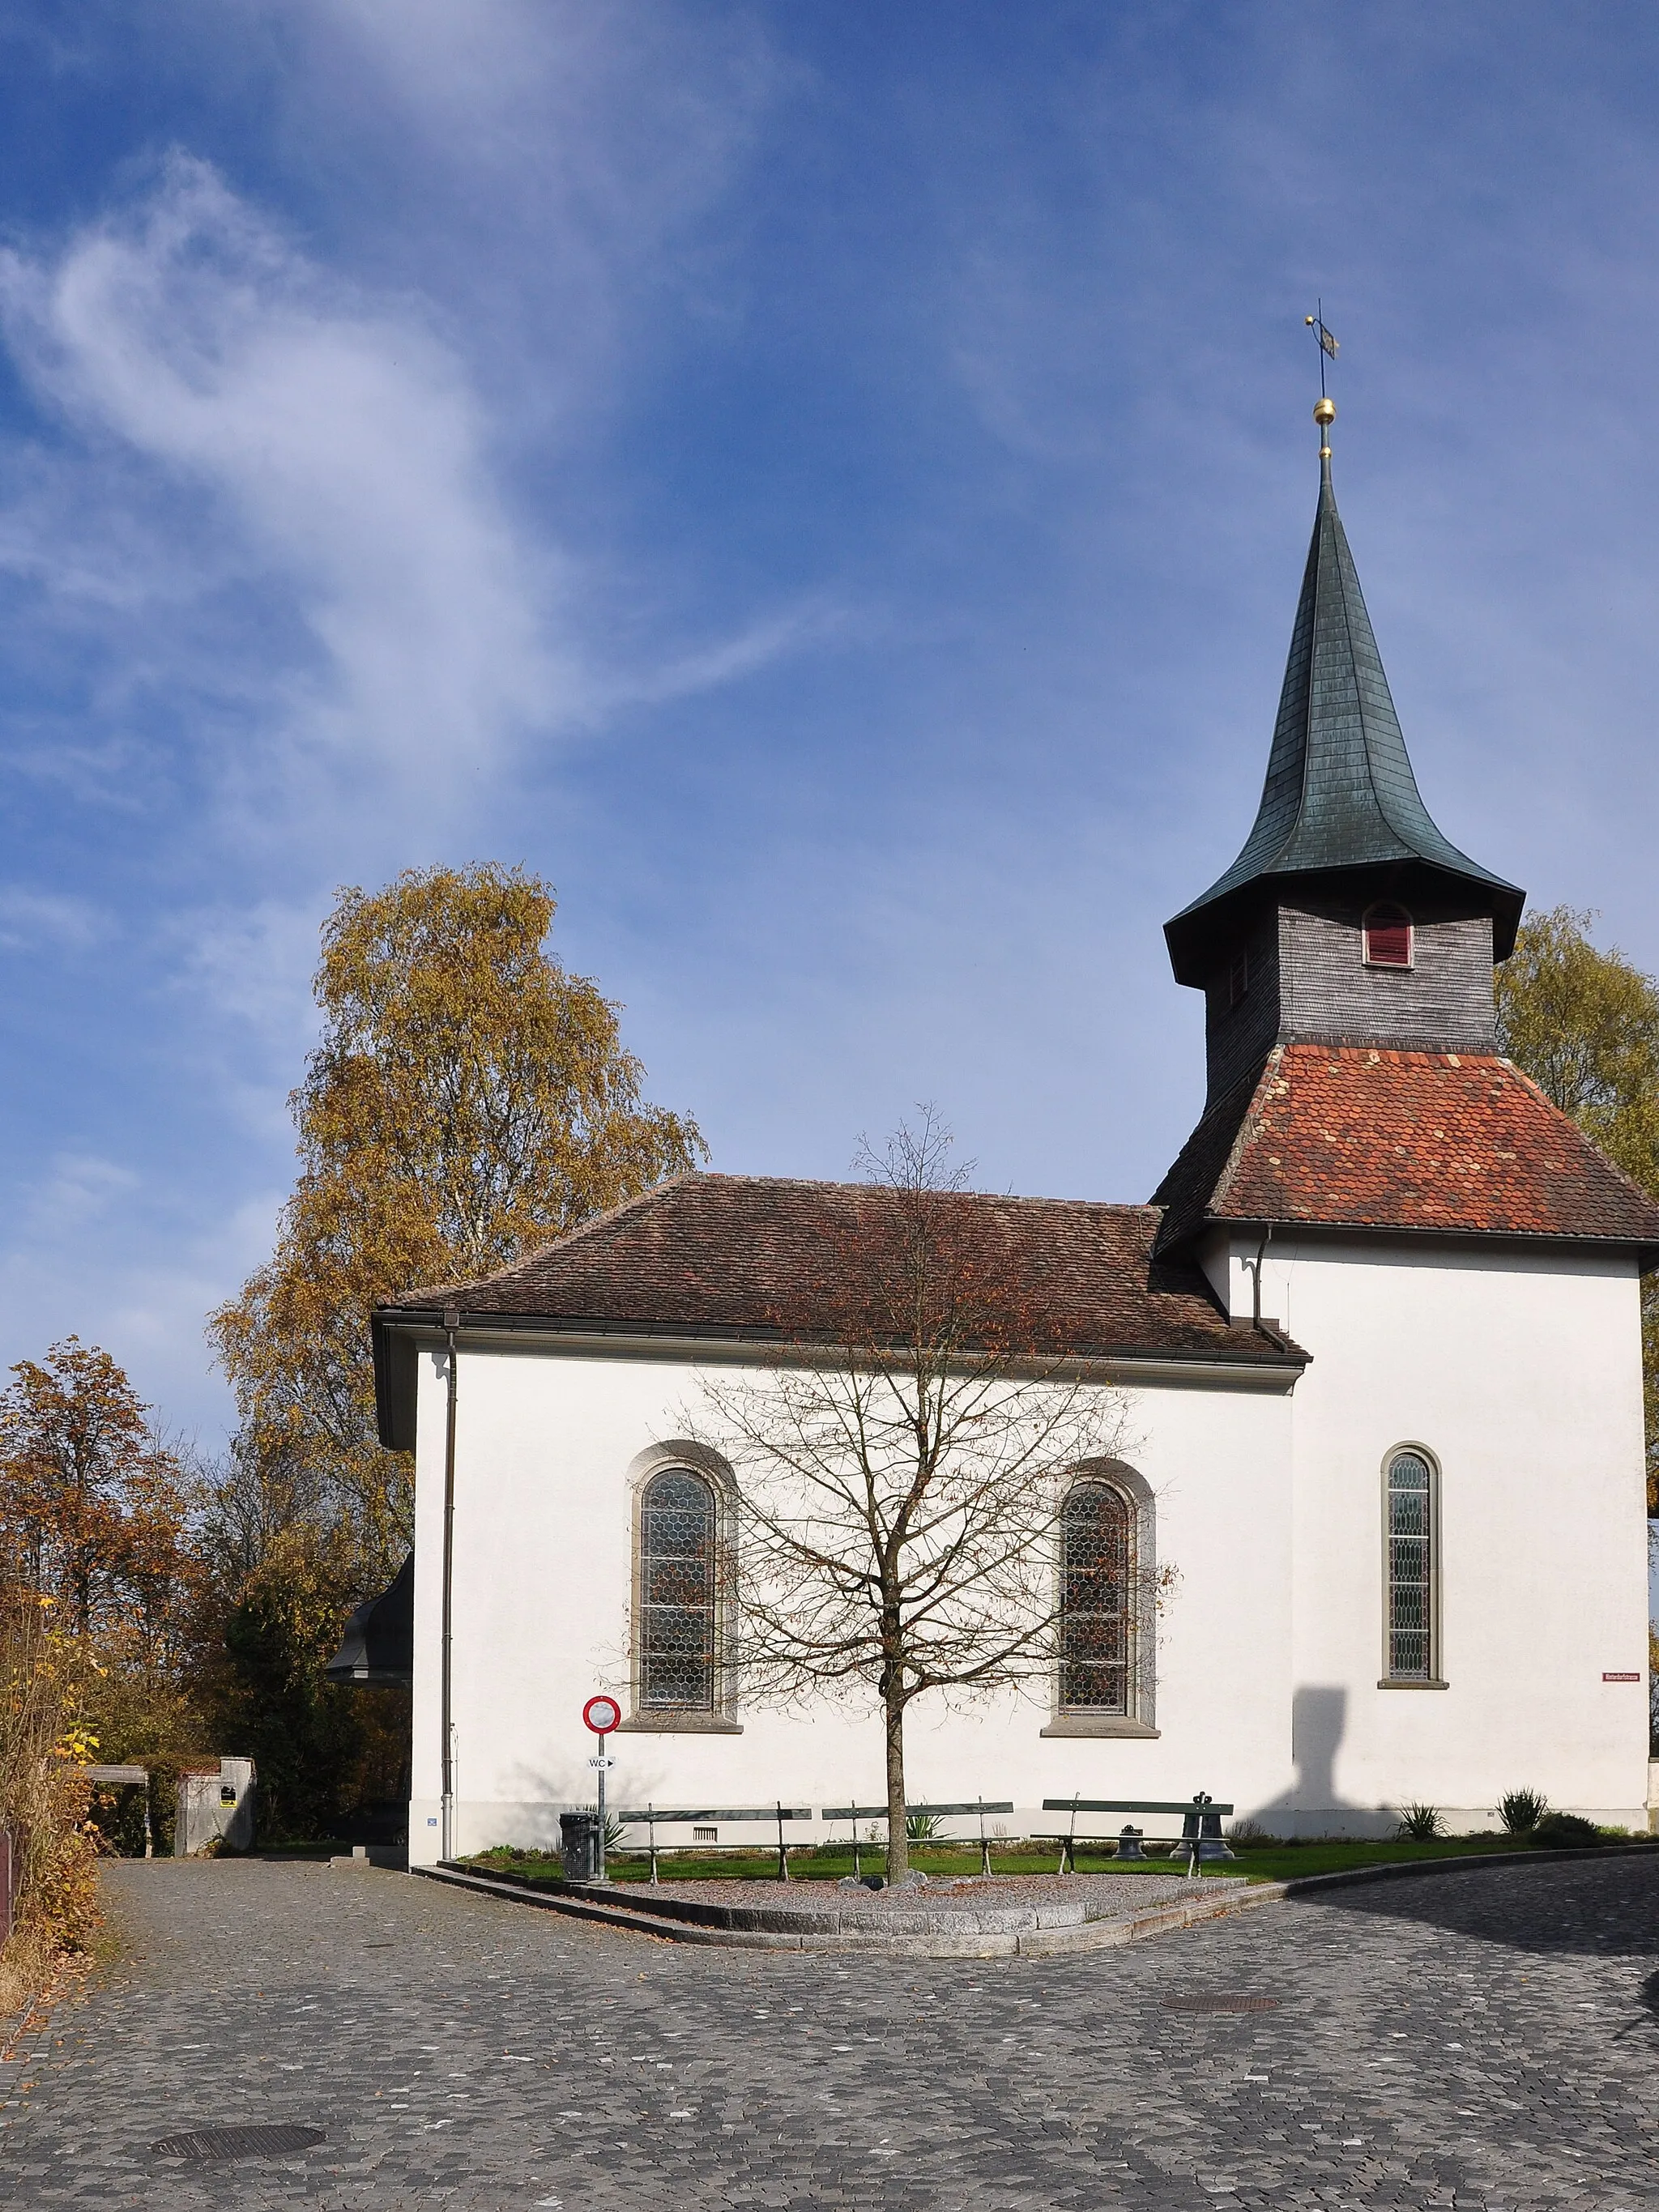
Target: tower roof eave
(1195,934)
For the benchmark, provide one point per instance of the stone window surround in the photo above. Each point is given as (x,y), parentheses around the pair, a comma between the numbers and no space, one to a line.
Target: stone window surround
(1435,1679)
(659,1720)
(1141,1720)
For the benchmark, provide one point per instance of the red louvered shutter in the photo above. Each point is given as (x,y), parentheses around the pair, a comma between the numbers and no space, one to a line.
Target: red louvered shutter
(1388,937)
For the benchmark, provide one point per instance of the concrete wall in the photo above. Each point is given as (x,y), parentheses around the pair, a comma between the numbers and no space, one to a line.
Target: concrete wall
(1519,1371)
(548,1445)
(216,1809)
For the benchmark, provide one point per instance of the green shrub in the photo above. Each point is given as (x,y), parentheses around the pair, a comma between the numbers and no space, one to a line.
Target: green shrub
(1521,1810)
(1421,1824)
(1565,1832)
(1250,1835)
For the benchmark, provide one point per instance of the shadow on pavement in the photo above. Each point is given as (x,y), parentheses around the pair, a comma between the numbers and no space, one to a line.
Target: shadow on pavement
(1606,1908)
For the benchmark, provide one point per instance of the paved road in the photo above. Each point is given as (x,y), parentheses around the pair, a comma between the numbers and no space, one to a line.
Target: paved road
(1488,2040)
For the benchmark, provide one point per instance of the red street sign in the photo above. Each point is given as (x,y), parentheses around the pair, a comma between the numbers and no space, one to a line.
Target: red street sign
(602,1715)
(1621,1678)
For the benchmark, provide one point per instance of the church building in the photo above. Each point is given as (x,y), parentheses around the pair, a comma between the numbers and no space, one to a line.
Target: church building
(1378,1335)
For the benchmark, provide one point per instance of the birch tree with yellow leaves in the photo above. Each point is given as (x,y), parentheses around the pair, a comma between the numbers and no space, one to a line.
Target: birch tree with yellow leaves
(469,1099)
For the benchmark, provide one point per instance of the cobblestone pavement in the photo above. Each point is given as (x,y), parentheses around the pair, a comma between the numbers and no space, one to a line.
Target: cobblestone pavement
(1484,2039)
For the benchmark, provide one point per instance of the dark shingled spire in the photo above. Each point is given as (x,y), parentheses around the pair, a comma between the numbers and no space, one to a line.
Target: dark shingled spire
(1340,793)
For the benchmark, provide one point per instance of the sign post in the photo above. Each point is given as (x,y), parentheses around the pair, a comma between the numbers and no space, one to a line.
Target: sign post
(601,1715)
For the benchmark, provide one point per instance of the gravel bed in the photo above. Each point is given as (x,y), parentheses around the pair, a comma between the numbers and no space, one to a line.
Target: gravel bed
(1000,1903)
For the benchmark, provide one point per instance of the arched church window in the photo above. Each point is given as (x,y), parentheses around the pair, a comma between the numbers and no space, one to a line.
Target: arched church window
(1097,1619)
(1387,934)
(679,1525)
(1412,1567)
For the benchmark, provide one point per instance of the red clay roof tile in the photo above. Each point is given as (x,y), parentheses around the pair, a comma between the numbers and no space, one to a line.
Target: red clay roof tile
(1355,1137)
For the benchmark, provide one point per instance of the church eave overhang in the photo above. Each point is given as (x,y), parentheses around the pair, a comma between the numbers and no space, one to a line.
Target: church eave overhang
(1326,1230)
(1263,1358)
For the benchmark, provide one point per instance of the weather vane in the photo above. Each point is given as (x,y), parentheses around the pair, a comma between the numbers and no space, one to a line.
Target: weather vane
(1325,409)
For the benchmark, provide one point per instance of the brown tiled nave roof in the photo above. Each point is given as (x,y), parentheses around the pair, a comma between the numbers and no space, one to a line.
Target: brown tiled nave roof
(708,1254)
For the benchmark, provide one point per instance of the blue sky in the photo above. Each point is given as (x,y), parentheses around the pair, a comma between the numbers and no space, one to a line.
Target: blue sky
(826,483)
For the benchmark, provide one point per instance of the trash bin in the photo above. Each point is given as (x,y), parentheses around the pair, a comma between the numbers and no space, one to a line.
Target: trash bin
(579,1845)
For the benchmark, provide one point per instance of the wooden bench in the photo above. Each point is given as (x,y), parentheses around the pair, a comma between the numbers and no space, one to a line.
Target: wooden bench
(1200,1831)
(981,1805)
(652,1818)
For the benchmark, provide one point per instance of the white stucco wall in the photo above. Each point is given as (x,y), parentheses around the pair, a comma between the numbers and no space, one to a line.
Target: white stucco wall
(543,1576)
(1519,1371)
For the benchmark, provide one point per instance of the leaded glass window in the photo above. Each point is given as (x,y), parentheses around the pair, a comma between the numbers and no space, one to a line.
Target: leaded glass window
(676,1592)
(1411,1568)
(1095,1627)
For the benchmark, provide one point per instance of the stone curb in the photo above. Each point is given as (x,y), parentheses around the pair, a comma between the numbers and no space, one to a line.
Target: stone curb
(687,1924)
(1035,1943)
(1298,1885)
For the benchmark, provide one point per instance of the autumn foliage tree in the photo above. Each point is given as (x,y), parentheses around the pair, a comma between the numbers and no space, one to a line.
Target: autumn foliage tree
(97,1587)
(93,1504)
(44,1744)
(469,1098)
(902,1474)
(1584,1025)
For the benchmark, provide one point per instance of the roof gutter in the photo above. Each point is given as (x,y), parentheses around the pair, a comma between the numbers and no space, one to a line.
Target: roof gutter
(1646,1254)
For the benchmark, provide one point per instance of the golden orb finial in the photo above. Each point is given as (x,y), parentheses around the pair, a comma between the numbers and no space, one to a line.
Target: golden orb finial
(1324,411)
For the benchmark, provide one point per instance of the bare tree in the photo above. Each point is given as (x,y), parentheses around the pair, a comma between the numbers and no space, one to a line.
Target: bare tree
(902,1469)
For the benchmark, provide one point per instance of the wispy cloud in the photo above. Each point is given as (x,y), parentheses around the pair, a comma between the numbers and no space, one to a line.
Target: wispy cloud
(80,1186)
(338,459)
(30,920)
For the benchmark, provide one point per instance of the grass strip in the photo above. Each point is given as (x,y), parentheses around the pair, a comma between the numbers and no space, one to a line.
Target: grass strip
(829,1862)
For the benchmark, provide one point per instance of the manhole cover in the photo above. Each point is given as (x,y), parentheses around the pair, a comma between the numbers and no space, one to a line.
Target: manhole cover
(237,2142)
(1220,2004)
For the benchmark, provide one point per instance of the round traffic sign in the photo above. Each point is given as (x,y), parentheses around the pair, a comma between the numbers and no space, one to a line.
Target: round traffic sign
(602,1715)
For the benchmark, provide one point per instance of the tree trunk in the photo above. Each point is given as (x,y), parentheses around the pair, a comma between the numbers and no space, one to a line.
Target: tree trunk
(898,1841)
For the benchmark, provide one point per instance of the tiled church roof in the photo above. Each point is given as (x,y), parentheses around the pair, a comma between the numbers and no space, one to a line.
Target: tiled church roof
(706,1254)
(1347,1137)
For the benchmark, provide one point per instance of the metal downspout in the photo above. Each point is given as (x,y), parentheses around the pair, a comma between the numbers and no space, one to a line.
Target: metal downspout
(447,1701)
(1255,1272)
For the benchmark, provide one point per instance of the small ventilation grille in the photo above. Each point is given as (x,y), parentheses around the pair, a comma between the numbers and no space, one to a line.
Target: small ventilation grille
(203,2143)
(1221,2004)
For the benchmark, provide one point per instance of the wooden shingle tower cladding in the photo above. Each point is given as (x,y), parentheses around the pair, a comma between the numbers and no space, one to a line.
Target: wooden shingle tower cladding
(1278,945)
(1347,960)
